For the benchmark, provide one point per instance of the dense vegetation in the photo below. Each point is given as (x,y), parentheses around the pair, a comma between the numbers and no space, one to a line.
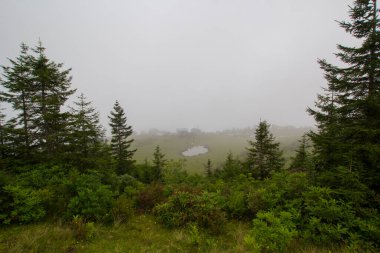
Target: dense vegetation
(57,167)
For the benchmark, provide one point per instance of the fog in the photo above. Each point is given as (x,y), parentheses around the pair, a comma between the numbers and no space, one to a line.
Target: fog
(209,64)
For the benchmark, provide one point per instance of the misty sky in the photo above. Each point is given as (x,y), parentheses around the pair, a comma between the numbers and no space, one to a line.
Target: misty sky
(210,64)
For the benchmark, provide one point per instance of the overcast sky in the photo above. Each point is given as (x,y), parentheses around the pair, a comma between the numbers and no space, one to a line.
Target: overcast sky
(210,64)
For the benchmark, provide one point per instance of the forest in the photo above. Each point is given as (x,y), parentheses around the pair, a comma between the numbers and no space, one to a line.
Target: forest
(65,187)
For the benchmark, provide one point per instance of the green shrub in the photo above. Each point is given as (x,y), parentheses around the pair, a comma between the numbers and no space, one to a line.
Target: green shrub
(183,208)
(92,200)
(129,186)
(272,232)
(282,191)
(260,200)
(21,205)
(327,220)
(122,209)
(236,205)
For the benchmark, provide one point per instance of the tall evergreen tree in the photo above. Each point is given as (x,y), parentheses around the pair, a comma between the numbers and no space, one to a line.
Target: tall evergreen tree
(51,90)
(264,155)
(19,92)
(348,117)
(121,142)
(85,133)
(37,88)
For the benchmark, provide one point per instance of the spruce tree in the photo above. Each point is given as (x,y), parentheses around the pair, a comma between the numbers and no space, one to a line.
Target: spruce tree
(37,88)
(302,160)
(86,133)
(348,116)
(19,92)
(264,155)
(208,169)
(51,87)
(121,142)
(231,167)
(159,163)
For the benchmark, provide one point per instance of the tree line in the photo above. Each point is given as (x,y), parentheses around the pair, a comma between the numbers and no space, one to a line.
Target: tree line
(42,130)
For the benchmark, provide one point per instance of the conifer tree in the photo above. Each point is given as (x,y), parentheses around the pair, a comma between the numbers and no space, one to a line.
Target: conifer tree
(348,117)
(121,143)
(208,168)
(51,89)
(159,163)
(37,88)
(231,167)
(264,155)
(85,133)
(19,92)
(302,160)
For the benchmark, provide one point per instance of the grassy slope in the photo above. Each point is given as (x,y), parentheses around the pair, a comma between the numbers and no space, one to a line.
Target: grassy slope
(219,145)
(141,234)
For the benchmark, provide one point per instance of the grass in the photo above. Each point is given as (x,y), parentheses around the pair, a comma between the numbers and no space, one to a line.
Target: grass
(140,234)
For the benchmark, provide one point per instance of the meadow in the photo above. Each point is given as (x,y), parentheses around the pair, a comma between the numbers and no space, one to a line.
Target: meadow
(219,144)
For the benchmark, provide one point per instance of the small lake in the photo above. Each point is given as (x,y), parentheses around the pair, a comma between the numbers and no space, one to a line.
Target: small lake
(196,150)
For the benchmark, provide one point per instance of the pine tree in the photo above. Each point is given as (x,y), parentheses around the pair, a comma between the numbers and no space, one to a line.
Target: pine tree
(85,133)
(264,155)
(51,89)
(120,142)
(37,89)
(159,163)
(231,167)
(8,134)
(349,123)
(19,92)
(302,160)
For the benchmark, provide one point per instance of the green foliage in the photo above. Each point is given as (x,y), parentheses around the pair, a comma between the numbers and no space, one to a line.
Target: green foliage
(232,167)
(122,209)
(303,160)
(345,185)
(272,232)
(183,208)
(347,115)
(326,219)
(236,205)
(22,205)
(92,200)
(129,186)
(120,141)
(283,191)
(264,155)
(159,163)
(85,135)
(37,88)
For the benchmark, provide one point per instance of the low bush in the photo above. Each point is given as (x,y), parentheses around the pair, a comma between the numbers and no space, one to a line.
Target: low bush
(151,195)
(183,208)
(326,219)
(272,232)
(92,200)
(20,205)
(122,209)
